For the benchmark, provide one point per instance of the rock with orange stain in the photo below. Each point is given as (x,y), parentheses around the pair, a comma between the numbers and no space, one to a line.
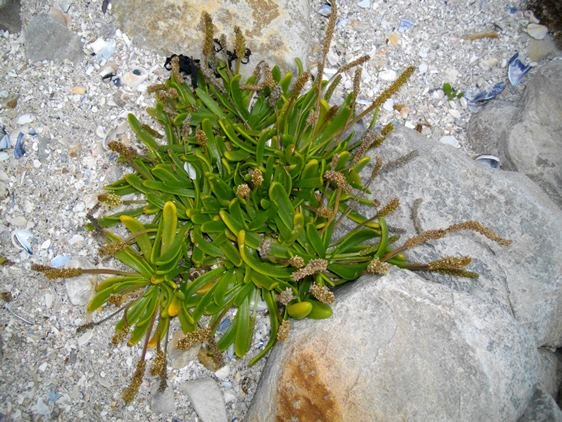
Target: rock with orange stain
(400,348)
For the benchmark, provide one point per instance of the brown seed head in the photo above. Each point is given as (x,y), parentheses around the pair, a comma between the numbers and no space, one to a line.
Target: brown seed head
(257,177)
(195,337)
(314,266)
(285,296)
(389,208)
(296,261)
(449,263)
(337,179)
(376,266)
(322,293)
(158,363)
(131,391)
(243,191)
(284,329)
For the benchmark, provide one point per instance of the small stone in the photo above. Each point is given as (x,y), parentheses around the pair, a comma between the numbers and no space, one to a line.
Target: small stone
(48,39)
(79,290)
(365,4)
(423,68)
(12,102)
(41,408)
(537,31)
(455,113)
(25,119)
(451,74)
(207,400)
(78,90)
(388,105)
(223,373)
(450,140)
(18,221)
(388,75)
(49,299)
(85,338)
(393,39)
(100,132)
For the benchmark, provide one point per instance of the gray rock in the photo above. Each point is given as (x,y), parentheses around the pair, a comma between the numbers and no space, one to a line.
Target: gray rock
(542,408)
(400,348)
(488,130)
(529,137)
(275,30)
(207,399)
(47,39)
(550,371)
(525,278)
(10,19)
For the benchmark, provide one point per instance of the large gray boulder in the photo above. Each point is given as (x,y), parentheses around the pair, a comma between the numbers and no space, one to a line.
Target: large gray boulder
(275,30)
(527,134)
(524,279)
(400,348)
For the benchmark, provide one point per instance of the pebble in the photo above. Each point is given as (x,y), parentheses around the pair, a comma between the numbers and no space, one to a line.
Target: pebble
(388,75)
(85,338)
(163,402)
(78,290)
(393,39)
(537,31)
(223,372)
(455,113)
(365,4)
(49,299)
(25,119)
(78,90)
(207,399)
(450,140)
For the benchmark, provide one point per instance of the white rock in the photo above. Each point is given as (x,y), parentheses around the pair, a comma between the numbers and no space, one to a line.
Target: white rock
(85,338)
(365,4)
(450,140)
(423,68)
(455,113)
(49,299)
(223,372)
(537,31)
(25,119)
(388,105)
(388,75)
(207,399)
(79,290)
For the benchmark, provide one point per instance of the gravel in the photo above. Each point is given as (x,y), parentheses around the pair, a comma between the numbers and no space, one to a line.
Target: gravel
(67,113)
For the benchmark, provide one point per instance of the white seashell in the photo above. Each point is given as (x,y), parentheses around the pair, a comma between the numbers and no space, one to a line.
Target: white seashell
(489,160)
(388,75)
(537,31)
(365,4)
(25,119)
(21,239)
(60,261)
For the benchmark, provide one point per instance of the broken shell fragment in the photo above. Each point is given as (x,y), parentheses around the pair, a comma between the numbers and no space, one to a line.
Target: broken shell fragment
(21,239)
(475,101)
(516,70)
(537,31)
(19,150)
(489,160)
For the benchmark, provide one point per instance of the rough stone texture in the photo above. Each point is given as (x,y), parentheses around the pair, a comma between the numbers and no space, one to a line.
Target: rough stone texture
(400,348)
(542,408)
(524,278)
(529,139)
(10,19)
(550,371)
(275,30)
(47,39)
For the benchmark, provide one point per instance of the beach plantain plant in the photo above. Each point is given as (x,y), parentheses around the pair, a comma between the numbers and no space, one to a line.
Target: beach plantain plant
(238,202)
